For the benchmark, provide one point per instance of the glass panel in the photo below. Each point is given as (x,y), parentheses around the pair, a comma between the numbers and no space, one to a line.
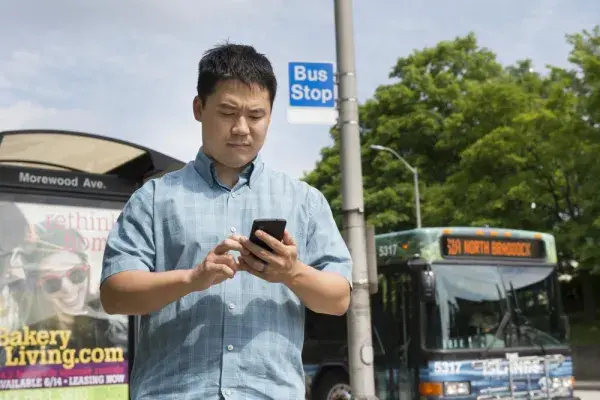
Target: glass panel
(391,313)
(485,306)
(52,325)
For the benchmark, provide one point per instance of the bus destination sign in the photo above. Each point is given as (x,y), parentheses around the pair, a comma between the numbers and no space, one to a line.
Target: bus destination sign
(492,247)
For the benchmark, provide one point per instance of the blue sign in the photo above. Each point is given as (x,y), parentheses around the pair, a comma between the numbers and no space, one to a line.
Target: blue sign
(311,84)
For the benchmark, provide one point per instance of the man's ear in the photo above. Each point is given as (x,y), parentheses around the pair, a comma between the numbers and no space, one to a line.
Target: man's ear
(197,107)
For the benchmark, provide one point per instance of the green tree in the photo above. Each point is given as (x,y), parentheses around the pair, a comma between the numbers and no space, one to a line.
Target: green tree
(415,116)
(583,235)
(494,146)
(542,153)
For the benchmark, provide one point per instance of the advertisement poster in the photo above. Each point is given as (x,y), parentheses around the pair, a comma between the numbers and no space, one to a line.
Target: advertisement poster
(55,340)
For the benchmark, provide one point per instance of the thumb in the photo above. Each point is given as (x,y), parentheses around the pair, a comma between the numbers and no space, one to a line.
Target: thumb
(287,239)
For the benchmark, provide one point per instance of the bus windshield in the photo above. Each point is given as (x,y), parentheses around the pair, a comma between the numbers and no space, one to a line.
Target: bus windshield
(494,307)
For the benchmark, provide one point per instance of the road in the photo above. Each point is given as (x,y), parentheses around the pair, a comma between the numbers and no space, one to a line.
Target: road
(588,394)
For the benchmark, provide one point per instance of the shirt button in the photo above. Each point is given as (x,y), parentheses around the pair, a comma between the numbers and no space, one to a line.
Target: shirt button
(232,229)
(230,347)
(231,306)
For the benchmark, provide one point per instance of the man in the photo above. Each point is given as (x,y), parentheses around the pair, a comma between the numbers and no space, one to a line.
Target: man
(220,317)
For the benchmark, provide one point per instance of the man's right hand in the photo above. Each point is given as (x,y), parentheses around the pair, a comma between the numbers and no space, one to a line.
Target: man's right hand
(144,292)
(218,265)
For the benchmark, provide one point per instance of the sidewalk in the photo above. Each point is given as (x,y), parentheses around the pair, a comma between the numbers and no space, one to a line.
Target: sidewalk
(587,385)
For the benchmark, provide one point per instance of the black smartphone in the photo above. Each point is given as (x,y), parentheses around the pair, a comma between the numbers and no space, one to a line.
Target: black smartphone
(272,226)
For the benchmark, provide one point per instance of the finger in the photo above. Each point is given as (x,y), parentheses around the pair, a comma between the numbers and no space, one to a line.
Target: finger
(288,240)
(245,250)
(254,263)
(240,239)
(226,259)
(249,269)
(220,269)
(243,265)
(273,243)
(257,251)
(228,245)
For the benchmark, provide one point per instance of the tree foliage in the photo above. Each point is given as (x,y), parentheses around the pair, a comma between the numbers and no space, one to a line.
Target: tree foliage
(501,146)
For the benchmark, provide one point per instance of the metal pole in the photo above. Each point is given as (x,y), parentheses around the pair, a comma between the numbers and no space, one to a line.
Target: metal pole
(415,173)
(417,199)
(360,347)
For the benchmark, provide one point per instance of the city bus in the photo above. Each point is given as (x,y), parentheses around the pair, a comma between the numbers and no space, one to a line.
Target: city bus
(458,313)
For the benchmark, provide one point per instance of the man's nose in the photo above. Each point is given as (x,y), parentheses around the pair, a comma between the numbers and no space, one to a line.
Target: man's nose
(241,127)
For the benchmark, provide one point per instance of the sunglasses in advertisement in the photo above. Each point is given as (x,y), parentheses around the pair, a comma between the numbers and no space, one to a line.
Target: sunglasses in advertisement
(52,282)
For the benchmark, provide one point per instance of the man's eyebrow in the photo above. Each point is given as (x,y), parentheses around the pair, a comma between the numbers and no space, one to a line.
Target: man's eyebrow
(227,105)
(257,109)
(231,106)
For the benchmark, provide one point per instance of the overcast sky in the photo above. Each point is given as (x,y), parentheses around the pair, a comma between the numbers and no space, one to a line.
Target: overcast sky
(127,68)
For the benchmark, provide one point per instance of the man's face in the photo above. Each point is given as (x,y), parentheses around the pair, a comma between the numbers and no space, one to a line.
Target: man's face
(235,119)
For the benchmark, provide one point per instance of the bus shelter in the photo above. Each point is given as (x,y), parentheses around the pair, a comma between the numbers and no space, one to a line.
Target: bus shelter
(60,195)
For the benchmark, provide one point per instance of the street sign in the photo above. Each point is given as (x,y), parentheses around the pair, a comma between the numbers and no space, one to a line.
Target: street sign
(311,93)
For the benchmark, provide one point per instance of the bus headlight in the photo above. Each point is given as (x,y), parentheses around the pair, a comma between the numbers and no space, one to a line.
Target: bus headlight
(563,382)
(457,388)
(557,383)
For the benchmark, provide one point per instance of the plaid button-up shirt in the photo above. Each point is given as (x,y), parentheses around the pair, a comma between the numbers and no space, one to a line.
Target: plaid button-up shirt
(241,339)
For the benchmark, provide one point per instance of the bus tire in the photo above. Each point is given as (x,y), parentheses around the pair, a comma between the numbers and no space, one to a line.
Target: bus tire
(333,385)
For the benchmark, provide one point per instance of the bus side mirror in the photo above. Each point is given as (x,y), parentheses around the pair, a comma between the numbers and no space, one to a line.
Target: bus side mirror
(371,257)
(426,279)
(428,286)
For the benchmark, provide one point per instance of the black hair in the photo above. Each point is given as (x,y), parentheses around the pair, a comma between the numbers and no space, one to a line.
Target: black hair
(237,62)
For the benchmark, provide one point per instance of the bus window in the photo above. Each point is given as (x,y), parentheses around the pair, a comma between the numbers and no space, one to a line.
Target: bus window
(391,310)
(325,338)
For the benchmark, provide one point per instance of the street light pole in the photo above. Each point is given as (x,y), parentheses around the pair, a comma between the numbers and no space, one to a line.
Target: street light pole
(415,173)
(360,346)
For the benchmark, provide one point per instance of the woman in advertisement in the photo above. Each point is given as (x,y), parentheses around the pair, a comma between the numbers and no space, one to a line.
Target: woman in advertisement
(58,277)
(54,333)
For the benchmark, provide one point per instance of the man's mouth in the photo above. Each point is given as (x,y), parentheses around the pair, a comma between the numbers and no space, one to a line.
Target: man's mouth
(238,144)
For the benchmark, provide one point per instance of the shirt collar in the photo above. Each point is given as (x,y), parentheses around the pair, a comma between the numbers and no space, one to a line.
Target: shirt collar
(205,166)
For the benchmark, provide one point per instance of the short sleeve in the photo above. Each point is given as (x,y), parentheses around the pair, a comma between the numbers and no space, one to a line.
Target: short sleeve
(326,249)
(130,244)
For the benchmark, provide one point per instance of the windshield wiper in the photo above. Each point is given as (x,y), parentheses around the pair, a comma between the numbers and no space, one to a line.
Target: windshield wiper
(499,331)
(503,322)
(518,312)
(532,335)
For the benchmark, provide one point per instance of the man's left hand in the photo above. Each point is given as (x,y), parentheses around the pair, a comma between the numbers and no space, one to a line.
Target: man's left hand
(277,266)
